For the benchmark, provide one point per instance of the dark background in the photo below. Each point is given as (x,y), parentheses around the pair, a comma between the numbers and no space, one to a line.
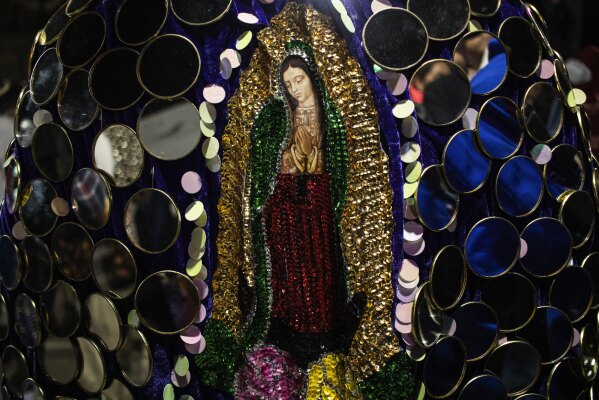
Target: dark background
(573,26)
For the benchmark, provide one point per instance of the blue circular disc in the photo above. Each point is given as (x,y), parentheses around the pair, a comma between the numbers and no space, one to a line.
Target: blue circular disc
(549,247)
(492,247)
(436,203)
(466,169)
(498,127)
(488,387)
(519,186)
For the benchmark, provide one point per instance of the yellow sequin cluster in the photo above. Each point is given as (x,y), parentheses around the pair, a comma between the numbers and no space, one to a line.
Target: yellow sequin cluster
(332,379)
(366,223)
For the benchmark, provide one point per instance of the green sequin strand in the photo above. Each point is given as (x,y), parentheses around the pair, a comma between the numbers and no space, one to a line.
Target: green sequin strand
(337,158)
(394,381)
(268,134)
(219,362)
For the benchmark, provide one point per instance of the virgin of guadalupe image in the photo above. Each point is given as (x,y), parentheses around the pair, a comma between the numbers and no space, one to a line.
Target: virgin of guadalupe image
(302,293)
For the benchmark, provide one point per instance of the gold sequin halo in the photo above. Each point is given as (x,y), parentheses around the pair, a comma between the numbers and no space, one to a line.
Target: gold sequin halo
(366,222)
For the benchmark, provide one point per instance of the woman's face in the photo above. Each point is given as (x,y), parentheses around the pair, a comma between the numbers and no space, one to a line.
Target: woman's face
(298,84)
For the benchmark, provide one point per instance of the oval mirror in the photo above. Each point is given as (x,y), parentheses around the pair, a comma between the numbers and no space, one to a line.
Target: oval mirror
(81,39)
(15,370)
(116,391)
(498,128)
(4,320)
(395,38)
(27,321)
(591,265)
(513,297)
(542,112)
(134,357)
(517,364)
(448,277)
(114,269)
(168,66)
(531,396)
(75,7)
(92,377)
(589,352)
(575,303)
(522,45)
(585,131)
(577,213)
(45,77)
(72,249)
(132,30)
(103,321)
(169,130)
(465,168)
(440,91)
(444,368)
(61,309)
(427,321)
(34,53)
(549,247)
(23,123)
(52,152)
(539,26)
(118,153)
(32,391)
(10,263)
(167,302)
(563,383)
(488,387)
(477,327)
(565,170)
(54,26)
(12,190)
(483,58)
(444,19)
(484,8)
(562,78)
(35,209)
(76,106)
(436,204)
(200,12)
(91,198)
(59,359)
(113,80)
(519,186)
(152,221)
(492,247)
(37,264)
(550,332)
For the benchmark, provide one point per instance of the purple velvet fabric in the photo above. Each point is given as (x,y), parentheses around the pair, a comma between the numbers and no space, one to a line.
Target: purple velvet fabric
(211,41)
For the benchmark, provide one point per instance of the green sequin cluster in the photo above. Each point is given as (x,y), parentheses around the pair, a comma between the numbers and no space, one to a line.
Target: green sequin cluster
(221,359)
(337,160)
(393,382)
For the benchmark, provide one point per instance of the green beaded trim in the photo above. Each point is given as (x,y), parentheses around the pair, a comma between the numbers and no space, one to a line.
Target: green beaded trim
(268,134)
(394,381)
(222,357)
(337,160)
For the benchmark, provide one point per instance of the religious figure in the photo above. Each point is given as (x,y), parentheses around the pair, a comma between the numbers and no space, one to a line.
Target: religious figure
(303,284)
